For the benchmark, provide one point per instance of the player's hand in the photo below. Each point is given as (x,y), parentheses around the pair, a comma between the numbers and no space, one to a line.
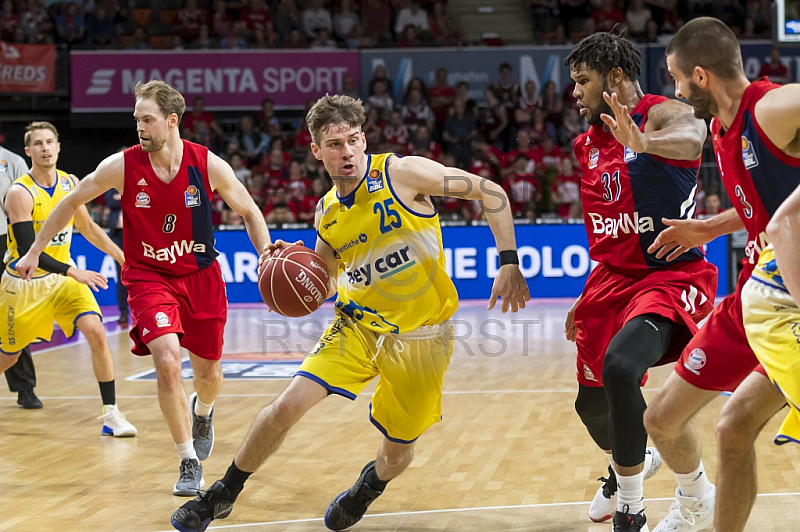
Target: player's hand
(93,280)
(679,237)
(570,330)
(270,248)
(27,265)
(622,125)
(511,287)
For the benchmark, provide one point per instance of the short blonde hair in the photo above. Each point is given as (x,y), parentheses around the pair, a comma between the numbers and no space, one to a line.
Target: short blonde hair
(334,110)
(36,126)
(167,99)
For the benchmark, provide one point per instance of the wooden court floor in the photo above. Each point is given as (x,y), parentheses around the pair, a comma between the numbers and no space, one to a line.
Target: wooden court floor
(510,454)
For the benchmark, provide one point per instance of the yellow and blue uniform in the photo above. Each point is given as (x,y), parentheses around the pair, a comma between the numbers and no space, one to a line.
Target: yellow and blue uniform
(30,307)
(394,300)
(772,323)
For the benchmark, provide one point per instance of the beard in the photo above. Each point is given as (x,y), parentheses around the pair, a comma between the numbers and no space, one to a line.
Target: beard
(152,145)
(602,108)
(703,103)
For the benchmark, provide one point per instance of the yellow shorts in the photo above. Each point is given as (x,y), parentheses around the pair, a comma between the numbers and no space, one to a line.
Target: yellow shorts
(30,307)
(772,324)
(408,397)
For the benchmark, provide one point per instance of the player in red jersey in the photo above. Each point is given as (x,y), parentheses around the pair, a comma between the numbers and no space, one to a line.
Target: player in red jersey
(754,131)
(639,161)
(175,287)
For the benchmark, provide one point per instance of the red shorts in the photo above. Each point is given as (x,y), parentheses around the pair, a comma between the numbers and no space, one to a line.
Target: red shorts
(684,294)
(719,357)
(192,306)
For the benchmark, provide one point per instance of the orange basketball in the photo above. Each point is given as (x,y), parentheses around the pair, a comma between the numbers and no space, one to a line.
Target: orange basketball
(293,281)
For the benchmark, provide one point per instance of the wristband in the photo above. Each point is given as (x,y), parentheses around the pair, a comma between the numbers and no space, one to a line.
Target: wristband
(508,257)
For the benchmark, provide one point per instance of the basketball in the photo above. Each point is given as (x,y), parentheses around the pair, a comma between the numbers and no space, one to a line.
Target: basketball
(294,281)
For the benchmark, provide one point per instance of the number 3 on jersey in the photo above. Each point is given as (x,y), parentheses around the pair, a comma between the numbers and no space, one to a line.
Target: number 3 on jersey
(609,182)
(169,223)
(387,214)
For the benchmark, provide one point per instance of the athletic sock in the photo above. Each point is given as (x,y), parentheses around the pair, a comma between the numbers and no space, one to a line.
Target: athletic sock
(695,484)
(630,492)
(186,450)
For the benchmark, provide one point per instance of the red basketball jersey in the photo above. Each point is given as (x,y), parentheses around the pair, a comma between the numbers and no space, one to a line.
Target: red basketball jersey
(757,175)
(168,227)
(626,194)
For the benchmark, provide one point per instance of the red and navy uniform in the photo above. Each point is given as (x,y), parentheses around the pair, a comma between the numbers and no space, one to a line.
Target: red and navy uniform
(758,177)
(625,195)
(174,283)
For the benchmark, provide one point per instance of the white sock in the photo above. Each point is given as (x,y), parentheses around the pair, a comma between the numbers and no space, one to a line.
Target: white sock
(695,484)
(186,450)
(630,492)
(202,409)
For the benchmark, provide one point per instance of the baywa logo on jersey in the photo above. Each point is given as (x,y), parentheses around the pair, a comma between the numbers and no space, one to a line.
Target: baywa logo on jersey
(630,155)
(748,154)
(162,320)
(695,361)
(374,181)
(192,196)
(594,156)
(143,200)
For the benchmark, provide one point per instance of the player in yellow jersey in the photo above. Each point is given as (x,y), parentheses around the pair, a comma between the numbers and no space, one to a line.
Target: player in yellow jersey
(379,234)
(58,291)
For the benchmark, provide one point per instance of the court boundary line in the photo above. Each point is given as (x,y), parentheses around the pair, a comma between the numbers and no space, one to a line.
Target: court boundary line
(455,510)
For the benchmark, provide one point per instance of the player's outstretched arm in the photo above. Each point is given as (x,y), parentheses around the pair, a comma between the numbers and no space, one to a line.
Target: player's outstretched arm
(95,235)
(415,176)
(682,235)
(778,115)
(782,230)
(224,181)
(671,131)
(109,174)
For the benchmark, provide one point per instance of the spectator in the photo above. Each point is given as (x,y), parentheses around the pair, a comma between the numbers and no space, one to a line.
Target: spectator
(459,129)
(572,13)
(100,28)
(199,114)
(607,16)
(306,207)
(528,101)
(416,83)
(522,187)
(509,89)
(265,39)
(255,16)
(188,20)
(36,24)
(493,119)
(9,21)
(266,120)
(522,147)
(545,17)
(379,75)
(410,39)
(220,21)
(570,128)
(540,128)
(278,195)
(296,40)
(414,16)
(297,185)
(287,19)
(552,103)
(759,11)
(280,214)
(462,93)
(548,155)
(252,143)
(636,18)
(323,41)
(774,69)
(486,155)
(314,169)
(71,25)
(416,112)
(373,130)
(255,186)
(236,38)
(444,28)
(204,40)
(711,206)
(749,32)
(241,172)
(315,18)
(344,22)
(381,100)
(441,97)
(140,41)
(349,87)
(376,19)
(566,188)
(395,134)
(422,144)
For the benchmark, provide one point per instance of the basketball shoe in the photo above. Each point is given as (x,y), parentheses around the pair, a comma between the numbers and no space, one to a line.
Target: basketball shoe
(604,503)
(115,424)
(350,506)
(202,431)
(197,514)
(624,521)
(689,514)
(191,479)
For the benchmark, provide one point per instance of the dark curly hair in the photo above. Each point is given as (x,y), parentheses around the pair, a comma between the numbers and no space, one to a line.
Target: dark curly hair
(604,52)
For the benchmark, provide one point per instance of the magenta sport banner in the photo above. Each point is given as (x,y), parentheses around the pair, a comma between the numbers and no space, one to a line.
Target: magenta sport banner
(228,80)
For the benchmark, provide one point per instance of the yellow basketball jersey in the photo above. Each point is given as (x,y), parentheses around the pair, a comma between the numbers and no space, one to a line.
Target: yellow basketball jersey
(44,201)
(766,271)
(392,275)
